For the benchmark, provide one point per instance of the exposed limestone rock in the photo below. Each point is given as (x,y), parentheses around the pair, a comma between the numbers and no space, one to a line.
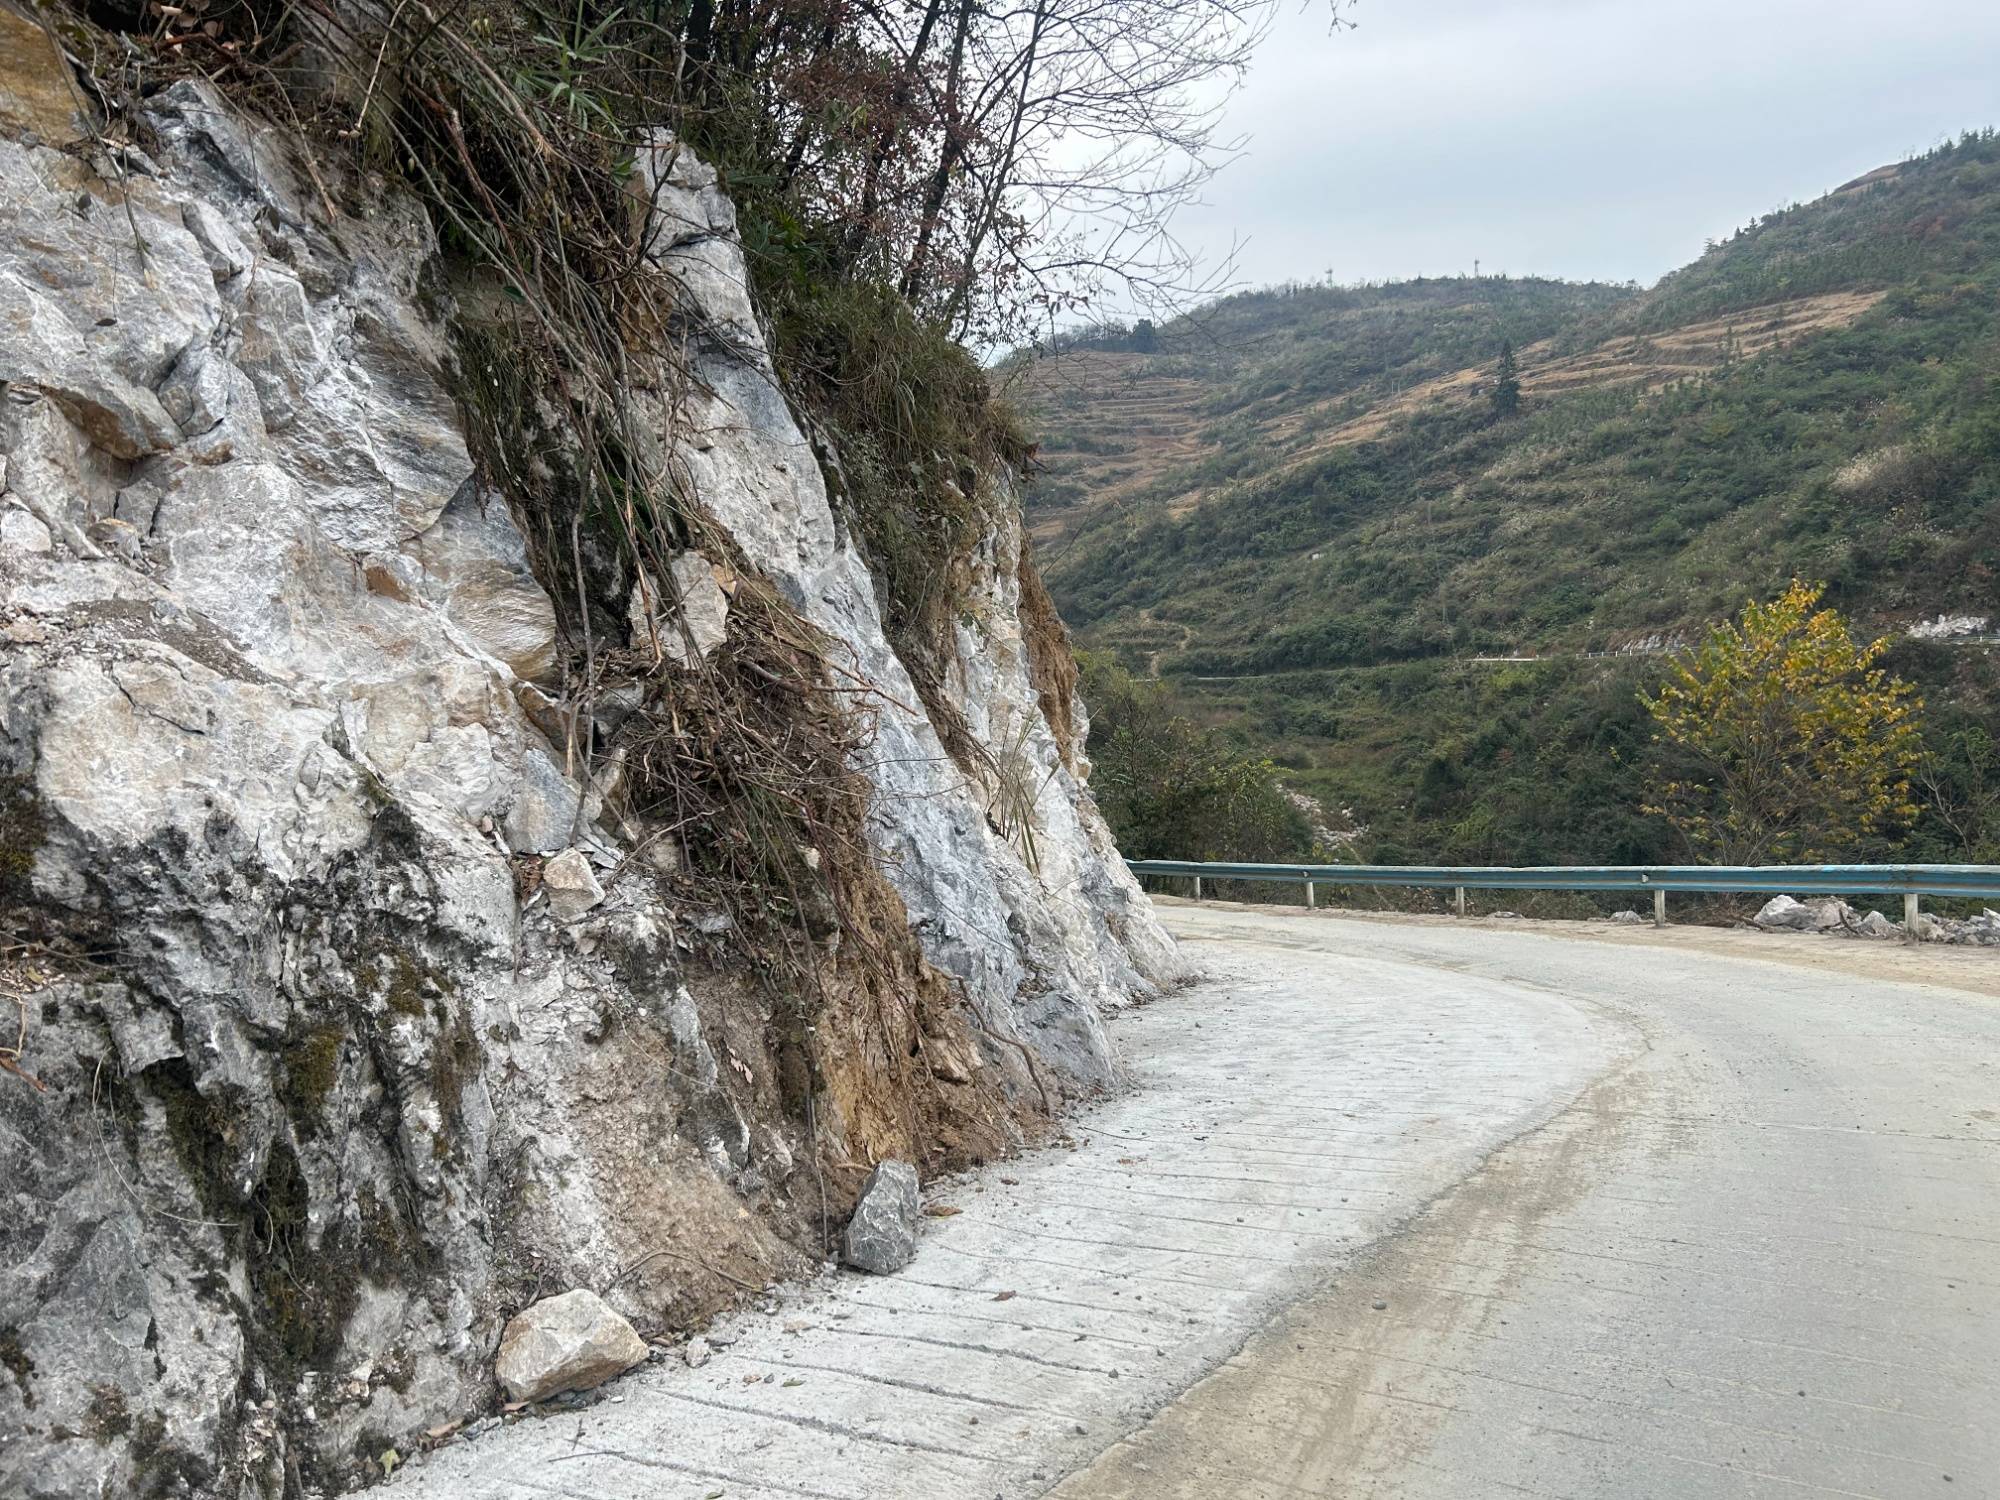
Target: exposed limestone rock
(881,1238)
(568,1343)
(281,742)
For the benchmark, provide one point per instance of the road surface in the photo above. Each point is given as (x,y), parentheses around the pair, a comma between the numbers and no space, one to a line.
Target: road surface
(1418,1209)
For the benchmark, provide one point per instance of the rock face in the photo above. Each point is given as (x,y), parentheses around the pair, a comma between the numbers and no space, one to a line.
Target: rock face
(323,1085)
(881,1238)
(567,1343)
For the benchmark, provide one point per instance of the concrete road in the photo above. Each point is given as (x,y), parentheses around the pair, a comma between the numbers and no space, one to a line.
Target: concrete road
(1759,1257)
(1412,1209)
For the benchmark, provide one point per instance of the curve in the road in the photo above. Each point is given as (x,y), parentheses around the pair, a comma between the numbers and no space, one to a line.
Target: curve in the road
(1412,1209)
(1283,1113)
(1761,1258)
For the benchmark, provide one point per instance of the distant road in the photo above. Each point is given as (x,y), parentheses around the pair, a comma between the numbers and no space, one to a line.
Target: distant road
(1759,1257)
(1417,1208)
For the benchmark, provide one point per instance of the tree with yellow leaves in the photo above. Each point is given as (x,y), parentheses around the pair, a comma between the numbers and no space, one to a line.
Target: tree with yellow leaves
(1780,738)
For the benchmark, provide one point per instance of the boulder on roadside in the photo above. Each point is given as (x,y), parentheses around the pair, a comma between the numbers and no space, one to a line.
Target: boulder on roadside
(567,1343)
(881,1238)
(1783,914)
(1831,915)
(1875,925)
(1627,918)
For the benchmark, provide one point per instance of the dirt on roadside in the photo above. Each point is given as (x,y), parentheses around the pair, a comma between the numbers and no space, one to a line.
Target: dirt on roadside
(1970,969)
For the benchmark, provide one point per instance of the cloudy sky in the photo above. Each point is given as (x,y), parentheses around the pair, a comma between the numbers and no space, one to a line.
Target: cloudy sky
(1582,138)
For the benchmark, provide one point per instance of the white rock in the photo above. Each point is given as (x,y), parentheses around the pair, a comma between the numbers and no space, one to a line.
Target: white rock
(568,1343)
(1875,925)
(1783,914)
(1951,627)
(697,1353)
(571,885)
(688,625)
(40,349)
(543,817)
(221,245)
(301,744)
(24,532)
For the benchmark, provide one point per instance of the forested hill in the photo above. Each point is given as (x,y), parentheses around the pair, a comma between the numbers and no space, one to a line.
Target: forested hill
(1275,501)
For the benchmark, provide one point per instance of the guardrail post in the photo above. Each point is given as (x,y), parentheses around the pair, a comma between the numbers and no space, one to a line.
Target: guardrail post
(1197,888)
(1659,907)
(1911,903)
(1458,900)
(1309,895)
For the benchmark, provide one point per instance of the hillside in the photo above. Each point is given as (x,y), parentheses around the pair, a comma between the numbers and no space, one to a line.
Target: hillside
(1301,508)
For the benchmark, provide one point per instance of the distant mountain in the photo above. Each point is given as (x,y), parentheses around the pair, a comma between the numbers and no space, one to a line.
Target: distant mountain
(1275,500)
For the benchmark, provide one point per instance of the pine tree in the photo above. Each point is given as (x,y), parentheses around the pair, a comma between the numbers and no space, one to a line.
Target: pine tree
(1507,387)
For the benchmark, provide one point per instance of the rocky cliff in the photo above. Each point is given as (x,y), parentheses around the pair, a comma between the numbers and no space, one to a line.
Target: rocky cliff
(369,983)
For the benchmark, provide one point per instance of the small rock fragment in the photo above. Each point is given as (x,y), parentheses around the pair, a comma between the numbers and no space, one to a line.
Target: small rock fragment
(571,885)
(697,1353)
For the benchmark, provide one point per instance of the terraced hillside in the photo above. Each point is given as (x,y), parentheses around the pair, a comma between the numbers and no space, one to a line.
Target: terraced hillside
(1304,509)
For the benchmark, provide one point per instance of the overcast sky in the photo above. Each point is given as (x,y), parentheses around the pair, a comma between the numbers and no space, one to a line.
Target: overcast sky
(1583,138)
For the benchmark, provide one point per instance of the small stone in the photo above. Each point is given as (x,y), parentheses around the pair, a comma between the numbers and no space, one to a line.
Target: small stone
(1379,1305)
(697,1353)
(571,885)
(567,1343)
(881,1238)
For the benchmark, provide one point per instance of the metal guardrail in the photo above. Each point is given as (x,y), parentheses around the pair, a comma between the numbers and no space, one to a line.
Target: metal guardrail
(1909,881)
